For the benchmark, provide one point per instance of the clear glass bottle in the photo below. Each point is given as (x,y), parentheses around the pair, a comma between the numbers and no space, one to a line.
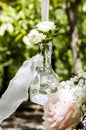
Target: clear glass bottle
(45,80)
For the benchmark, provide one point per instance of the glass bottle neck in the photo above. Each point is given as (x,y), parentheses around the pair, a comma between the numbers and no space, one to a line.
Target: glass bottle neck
(46,52)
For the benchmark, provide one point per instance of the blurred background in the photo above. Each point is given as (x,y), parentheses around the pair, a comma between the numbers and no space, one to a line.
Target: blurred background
(17,18)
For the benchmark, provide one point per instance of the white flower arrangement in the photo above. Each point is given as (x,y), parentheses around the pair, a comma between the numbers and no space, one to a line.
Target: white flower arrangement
(77,87)
(64,109)
(43,33)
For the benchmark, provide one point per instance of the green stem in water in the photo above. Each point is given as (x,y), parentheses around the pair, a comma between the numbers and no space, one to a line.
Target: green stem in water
(44,57)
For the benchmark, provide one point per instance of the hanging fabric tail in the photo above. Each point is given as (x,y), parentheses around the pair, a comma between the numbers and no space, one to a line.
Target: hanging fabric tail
(17,91)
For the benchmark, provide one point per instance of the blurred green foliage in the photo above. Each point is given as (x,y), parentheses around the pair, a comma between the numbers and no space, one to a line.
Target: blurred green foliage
(18,17)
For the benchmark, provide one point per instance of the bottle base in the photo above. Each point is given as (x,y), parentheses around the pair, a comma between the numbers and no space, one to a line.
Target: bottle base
(39,99)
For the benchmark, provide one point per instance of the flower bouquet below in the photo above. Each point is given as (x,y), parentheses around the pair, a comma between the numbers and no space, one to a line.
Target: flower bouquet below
(64,109)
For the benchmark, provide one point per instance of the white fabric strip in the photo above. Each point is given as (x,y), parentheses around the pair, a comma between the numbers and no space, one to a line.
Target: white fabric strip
(17,91)
(45,10)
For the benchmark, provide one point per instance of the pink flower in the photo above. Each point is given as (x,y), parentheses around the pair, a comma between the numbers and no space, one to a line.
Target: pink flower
(61,112)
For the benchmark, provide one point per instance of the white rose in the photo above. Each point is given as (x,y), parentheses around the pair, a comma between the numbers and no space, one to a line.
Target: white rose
(35,37)
(60,112)
(46,26)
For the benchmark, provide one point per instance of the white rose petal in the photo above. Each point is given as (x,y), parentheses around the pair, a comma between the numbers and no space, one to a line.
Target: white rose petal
(45,26)
(26,40)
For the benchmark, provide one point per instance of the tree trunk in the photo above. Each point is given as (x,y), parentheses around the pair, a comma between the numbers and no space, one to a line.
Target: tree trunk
(71,10)
(5,80)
